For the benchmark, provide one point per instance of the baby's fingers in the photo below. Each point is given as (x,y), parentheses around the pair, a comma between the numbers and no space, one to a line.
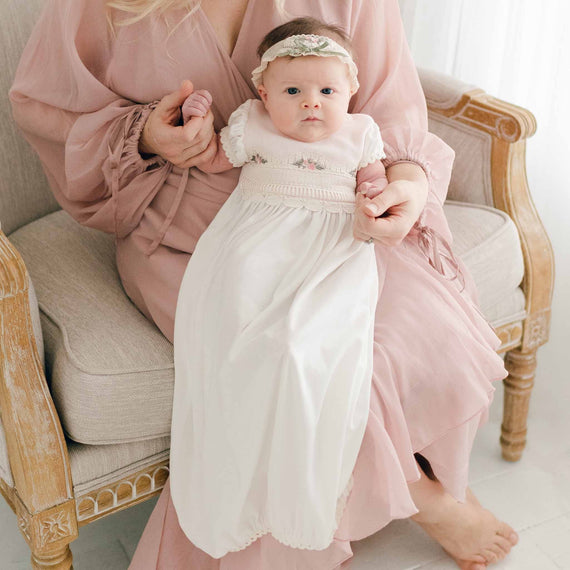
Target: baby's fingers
(363,204)
(196,105)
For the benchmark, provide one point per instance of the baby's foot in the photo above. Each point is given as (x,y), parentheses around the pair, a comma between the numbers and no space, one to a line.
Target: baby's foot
(469,533)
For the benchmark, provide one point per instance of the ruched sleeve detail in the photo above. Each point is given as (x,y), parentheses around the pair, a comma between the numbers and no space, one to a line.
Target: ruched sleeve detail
(232,135)
(373,146)
(85,134)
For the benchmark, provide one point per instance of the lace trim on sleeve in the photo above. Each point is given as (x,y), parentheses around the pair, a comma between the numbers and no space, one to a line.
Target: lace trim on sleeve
(232,135)
(373,146)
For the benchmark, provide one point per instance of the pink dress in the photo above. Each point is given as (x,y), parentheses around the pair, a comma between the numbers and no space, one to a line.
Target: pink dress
(81,96)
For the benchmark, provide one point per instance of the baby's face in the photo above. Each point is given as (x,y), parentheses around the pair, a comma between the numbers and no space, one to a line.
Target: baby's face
(306,97)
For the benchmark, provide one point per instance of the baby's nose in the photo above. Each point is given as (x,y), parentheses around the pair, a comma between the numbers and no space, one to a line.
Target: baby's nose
(312,103)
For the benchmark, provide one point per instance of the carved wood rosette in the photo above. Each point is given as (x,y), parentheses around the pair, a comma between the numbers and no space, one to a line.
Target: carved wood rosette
(48,533)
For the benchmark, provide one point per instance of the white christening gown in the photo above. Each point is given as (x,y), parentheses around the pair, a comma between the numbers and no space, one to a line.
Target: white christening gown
(273,342)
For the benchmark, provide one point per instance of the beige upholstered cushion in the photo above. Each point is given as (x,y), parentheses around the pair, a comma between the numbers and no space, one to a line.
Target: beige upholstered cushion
(93,466)
(487,241)
(110,370)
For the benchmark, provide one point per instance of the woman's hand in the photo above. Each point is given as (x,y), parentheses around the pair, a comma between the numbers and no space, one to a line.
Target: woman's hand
(390,216)
(183,145)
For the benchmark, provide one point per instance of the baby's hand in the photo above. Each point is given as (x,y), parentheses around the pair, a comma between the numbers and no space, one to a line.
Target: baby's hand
(369,190)
(196,104)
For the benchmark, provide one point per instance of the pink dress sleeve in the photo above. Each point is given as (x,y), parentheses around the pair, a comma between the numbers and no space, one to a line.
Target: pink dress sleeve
(390,91)
(85,134)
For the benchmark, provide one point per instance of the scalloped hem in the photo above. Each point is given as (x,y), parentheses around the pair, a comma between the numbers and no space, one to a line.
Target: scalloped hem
(340,508)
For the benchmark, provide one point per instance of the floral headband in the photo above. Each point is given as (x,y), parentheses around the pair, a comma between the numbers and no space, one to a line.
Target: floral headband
(306,44)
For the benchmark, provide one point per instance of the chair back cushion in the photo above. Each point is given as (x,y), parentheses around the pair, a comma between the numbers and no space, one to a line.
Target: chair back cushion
(471,176)
(24,191)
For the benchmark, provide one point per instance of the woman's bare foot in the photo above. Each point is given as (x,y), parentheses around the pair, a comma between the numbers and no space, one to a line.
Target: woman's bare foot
(469,533)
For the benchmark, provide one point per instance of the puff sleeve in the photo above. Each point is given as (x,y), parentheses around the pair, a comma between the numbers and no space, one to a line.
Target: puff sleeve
(85,134)
(373,148)
(232,136)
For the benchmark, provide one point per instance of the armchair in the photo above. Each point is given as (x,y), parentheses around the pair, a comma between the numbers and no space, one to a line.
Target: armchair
(84,432)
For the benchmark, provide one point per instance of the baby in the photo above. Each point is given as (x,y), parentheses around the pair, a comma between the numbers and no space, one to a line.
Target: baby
(273,336)
(283,105)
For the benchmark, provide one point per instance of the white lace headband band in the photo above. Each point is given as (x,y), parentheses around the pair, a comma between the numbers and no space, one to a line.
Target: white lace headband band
(306,44)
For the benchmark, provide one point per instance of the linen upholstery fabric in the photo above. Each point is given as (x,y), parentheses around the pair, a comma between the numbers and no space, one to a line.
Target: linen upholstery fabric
(471,175)
(488,242)
(24,193)
(106,363)
(111,371)
(93,466)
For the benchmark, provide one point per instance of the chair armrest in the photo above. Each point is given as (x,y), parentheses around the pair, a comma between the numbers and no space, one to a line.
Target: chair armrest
(36,444)
(489,137)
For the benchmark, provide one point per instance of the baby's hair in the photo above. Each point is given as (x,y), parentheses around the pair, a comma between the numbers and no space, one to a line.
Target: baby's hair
(306,25)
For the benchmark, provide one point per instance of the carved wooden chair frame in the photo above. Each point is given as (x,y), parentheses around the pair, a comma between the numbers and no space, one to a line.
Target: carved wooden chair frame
(49,513)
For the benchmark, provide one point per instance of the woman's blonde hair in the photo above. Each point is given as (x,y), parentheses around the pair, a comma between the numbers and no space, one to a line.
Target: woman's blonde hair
(139,9)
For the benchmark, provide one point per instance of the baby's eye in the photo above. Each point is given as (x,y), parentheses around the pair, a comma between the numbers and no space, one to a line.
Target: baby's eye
(292,90)
(327,91)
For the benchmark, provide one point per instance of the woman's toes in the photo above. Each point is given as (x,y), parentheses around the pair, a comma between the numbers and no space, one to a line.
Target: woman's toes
(509,533)
(505,544)
(469,565)
(497,549)
(490,555)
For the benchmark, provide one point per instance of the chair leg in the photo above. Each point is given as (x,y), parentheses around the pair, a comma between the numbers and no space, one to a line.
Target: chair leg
(58,559)
(49,533)
(518,386)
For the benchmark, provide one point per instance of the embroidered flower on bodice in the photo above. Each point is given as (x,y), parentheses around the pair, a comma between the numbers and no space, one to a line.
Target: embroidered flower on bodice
(309,164)
(257,158)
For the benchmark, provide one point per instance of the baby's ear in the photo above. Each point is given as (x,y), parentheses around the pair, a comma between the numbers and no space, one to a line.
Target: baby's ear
(262,93)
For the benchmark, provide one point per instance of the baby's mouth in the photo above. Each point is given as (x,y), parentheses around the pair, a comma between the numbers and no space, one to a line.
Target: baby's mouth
(311,119)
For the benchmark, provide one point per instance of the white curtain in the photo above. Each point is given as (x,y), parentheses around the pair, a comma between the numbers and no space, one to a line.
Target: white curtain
(519,51)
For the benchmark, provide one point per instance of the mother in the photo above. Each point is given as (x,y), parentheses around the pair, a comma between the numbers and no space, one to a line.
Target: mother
(100,104)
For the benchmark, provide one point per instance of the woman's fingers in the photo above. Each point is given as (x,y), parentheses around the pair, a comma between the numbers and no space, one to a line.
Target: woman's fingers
(196,134)
(170,104)
(205,156)
(156,137)
(389,230)
(391,196)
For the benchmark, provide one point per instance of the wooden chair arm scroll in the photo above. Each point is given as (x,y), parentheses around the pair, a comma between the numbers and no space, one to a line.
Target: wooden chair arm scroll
(509,126)
(42,496)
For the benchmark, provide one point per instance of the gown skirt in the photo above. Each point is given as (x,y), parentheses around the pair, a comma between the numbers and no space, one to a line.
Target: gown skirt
(434,364)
